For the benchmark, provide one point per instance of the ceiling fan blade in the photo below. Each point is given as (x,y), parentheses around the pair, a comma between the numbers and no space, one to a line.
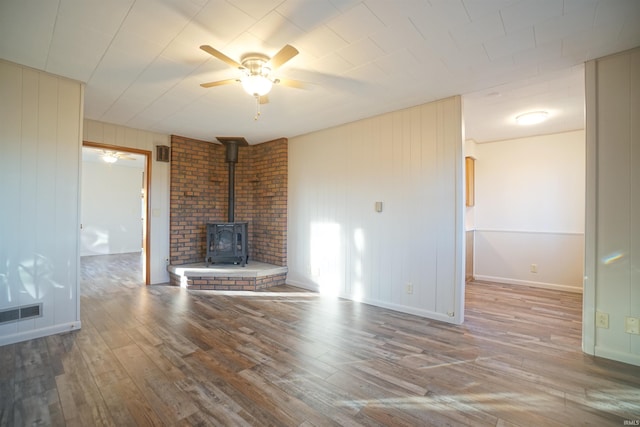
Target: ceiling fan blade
(264,99)
(219,83)
(292,83)
(221,56)
(284,55)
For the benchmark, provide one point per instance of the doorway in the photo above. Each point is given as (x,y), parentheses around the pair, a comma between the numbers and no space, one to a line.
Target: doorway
(527,225)
(133,229)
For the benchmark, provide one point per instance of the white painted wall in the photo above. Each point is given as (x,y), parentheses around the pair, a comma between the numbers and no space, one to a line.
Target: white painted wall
(612,279)
(40,130)
(411,161)
(530,210)
(121,136)
(111,209)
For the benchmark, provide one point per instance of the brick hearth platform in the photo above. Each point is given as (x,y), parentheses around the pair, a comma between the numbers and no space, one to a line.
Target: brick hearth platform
(228,277)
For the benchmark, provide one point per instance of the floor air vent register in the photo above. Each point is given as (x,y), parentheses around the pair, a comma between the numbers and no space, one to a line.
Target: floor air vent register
(20,313)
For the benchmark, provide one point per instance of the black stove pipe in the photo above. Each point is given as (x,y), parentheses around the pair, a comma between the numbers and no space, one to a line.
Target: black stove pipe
(232,159)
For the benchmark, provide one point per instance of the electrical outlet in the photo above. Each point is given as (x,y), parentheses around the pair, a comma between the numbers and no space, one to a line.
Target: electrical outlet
(602,320)
(534,268)
(409,288)
(632,325)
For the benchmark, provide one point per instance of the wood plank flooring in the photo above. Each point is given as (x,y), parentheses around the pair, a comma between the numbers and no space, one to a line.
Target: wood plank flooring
(161,355)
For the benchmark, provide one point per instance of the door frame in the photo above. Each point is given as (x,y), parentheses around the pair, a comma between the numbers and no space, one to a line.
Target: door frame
(146,182)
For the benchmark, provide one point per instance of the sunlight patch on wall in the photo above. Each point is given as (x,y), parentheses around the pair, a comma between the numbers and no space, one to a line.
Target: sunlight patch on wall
(95,239)
(326,251)
(36,276)
(358,244)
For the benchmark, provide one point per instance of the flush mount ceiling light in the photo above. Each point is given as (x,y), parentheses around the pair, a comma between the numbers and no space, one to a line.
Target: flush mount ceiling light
(532,118)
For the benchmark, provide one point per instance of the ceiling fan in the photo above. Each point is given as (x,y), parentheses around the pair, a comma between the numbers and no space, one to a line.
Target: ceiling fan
(111,156)
(257,68)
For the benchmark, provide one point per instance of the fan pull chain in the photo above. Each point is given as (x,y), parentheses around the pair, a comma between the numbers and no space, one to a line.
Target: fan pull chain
(257,116)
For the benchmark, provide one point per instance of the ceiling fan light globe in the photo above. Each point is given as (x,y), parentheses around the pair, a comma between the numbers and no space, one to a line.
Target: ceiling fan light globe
(256,85)
(110,158)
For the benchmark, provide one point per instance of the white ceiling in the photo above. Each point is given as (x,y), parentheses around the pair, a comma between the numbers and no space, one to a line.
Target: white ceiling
(143,67)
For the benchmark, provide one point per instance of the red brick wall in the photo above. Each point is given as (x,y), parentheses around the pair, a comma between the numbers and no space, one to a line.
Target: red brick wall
(199,184)
(225,283)
(263,190)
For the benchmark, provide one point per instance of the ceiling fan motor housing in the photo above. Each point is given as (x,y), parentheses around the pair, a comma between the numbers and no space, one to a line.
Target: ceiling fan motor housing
(255,65)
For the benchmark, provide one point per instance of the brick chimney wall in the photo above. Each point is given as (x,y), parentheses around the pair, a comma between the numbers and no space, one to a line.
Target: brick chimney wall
(264,199)
(199,186)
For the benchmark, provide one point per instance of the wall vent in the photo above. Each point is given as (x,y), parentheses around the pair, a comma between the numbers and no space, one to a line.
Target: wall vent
(163,153)
(20,313)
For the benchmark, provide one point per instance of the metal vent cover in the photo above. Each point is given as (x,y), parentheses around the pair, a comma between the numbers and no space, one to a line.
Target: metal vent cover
(20,313)
(163,153)
(9,315)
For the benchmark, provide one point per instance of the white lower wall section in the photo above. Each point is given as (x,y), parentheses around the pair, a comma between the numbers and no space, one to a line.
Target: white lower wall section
(409,256)
(510,256)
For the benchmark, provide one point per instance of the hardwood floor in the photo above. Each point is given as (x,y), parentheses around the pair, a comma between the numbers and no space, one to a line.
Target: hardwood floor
(161,355)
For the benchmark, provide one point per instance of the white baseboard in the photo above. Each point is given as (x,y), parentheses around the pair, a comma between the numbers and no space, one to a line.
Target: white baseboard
(632,359)
(39,333)
(313,287)
(383,304)
(412,310)
(508,281)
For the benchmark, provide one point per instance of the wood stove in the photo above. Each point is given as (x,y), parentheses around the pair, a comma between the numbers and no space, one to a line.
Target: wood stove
(227,243)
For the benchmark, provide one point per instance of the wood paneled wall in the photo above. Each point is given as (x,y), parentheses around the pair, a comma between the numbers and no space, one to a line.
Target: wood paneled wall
(40,134)
(612,276)
(409,257)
